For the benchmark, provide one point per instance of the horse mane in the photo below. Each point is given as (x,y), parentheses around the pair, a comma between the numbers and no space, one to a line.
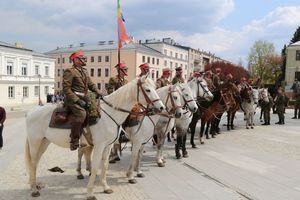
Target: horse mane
(126,93)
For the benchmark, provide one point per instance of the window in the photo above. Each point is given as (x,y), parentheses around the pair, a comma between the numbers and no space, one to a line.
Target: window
(46,71)
(148,59)
(70,61)
(185,67)
(176,65)
(24,69)
(157,61)
(58,84)
(165,51)
(171,53)
(58,72)
(106,85)
(46,90)
(166,63)
(186,57)
(92,59)
(171,64)
(92,72)
(153,61)
(99,59)
(36,70)
(58,60)
(99,72)
(11,92)
(144,59)
(99,86)
(152,74)
(157,74)
(106,58)
(36,91)
(176,55)
(9,68)
(298,55)
(63,60)
(25,92)
(181,56)
(106,72)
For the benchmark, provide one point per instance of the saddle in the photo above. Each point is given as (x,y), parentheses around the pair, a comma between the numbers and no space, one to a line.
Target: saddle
(62,117)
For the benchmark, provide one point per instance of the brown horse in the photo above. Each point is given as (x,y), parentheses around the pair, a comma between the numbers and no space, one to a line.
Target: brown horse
(210,113)
(233,108)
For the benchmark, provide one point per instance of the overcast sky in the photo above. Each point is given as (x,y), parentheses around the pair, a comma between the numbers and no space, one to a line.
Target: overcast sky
(227,28)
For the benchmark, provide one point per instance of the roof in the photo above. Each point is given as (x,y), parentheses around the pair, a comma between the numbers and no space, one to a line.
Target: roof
(4,44)
(104,47)
(295,44)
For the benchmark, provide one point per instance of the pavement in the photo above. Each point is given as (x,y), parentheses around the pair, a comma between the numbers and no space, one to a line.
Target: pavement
(256,164)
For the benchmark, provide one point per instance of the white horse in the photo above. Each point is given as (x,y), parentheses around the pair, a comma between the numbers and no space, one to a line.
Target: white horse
(141,134)
(249,104)
(104,133)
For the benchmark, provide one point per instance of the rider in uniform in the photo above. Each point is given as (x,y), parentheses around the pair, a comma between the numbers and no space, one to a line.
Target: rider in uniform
(216,77)
(178,76)
(164,79)
(280,102)
(76,83)
(145,69)
(116,82)
(209,81)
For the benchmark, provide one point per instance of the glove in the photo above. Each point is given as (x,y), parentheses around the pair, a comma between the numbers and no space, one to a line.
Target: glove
(81,103)
(99,96)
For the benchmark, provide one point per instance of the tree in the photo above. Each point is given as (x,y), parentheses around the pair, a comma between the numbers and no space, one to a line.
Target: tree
(296,36)
(259,58)
(274,68)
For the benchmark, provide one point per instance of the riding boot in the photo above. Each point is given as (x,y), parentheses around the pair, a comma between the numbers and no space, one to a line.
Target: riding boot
(184,151)
(295,114)
(76,128)
(178,146)
(169,137)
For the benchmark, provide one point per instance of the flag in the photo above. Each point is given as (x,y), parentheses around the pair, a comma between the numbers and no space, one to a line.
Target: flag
(122,35)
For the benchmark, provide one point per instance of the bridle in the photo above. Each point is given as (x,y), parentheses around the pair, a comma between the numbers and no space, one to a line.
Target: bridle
(171,112)
(205,91)
(186,102)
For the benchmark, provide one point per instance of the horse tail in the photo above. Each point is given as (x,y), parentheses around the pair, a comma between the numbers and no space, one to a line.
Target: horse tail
(28,162)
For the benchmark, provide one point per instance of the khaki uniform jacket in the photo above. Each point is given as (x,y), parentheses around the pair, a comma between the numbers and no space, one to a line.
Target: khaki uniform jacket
(115,83)
(162,82)
(210,84)
(76,80)
(177,79)
(216,80)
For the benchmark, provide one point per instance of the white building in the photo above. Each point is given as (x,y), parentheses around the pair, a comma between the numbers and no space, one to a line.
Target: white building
(292,70)
(25,76)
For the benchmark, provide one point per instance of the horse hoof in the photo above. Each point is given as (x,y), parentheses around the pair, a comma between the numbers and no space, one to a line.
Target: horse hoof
(252,127)
(40,186)
(80,177)
(247,127)
(194,146)
(108,191)
(164,161)
(185,155)
(91,198)
(35,194)
(161,164)
(141,175)
(132,181)
(112,161)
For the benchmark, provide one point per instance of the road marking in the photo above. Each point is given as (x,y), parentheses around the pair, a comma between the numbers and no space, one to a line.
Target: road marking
(242,194)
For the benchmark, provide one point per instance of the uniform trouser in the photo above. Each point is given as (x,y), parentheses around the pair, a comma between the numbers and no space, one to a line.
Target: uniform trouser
(76,123)
(267,115)
(297,109)
(1,138)
(280,112)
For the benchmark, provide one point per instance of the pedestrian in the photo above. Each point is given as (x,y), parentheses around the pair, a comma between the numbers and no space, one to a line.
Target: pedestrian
(297,104)
(2,119)
(280,102)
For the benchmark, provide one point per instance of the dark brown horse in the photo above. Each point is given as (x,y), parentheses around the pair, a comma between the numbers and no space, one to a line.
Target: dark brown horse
(233,109)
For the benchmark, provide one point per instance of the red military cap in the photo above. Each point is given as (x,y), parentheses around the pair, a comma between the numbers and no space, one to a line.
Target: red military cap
(76,54)
(144,66)
(208,72)
(218,69)
(166,70)
(121,66)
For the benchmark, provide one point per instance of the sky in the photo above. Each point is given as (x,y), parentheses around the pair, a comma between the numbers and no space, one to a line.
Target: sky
(227,28)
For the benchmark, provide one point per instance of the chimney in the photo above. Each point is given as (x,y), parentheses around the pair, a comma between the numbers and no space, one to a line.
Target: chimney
(82,44)
(71,46)
(111,42)
(18,45)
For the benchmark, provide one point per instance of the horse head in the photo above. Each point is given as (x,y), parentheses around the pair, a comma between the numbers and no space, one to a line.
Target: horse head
(146,94)
(173,101)
(187,97)
(263,94)
(200,89)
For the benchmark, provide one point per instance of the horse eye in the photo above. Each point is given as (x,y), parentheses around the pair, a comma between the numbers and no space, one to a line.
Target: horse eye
(175,97)
(186,95)
(147,90)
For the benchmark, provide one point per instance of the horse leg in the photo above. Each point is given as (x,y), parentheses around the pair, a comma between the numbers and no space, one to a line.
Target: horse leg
(87,155)
(184,151)
(96,162)
(247,120)
(134,156)
(201,131)
(228,120)
(232,119)
(104,167)
(192,127)
(140,174)
(80,153)
(251,120)
(178,145)
(32,157)
(207,129)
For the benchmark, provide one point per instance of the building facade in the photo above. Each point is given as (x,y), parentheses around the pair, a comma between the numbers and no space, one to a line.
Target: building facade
(102,59)
(26,77)
(292,70)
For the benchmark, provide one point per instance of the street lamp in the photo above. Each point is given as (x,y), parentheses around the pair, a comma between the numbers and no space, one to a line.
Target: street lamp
(39,76)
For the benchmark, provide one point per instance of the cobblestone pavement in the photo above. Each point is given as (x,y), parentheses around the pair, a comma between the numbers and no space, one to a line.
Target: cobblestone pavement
(258,164)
